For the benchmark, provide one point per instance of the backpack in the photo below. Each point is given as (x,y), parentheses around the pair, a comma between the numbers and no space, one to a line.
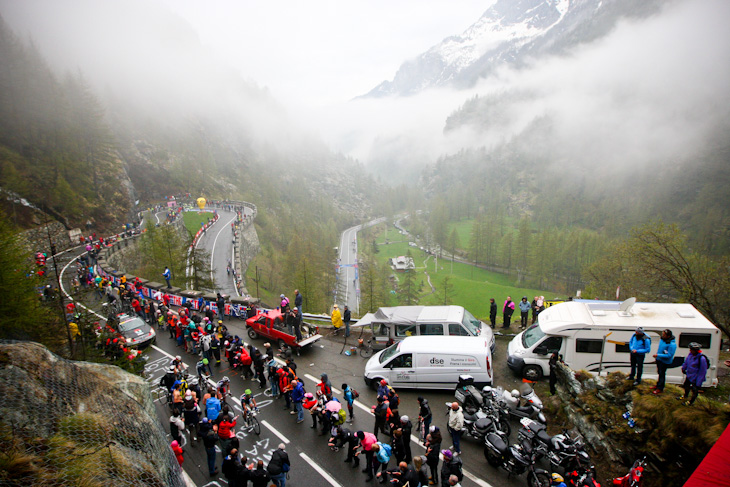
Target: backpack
(354,393)
(341,417)
(212,408)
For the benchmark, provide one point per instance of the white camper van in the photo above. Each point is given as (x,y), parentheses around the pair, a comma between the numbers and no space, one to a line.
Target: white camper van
(431,363)
(594,336)
(392,324)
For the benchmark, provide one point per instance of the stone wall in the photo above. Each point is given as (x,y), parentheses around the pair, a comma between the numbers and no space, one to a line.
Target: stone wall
(36,239)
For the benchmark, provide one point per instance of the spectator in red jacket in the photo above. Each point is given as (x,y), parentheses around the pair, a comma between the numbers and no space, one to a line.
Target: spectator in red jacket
(225,432)
(178,451)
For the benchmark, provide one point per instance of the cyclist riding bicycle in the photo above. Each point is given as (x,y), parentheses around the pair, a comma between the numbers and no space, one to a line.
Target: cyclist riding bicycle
(247,403)
(222,388)
(180,367)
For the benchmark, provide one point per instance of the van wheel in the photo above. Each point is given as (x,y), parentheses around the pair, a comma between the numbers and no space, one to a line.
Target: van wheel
(252,334)
(374,384)
(532,372)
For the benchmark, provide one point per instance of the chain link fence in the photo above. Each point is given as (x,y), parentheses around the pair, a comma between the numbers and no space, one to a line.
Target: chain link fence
(68,423)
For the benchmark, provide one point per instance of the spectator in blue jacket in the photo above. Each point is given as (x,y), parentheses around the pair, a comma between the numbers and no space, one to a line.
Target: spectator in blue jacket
(695,369)
(525,308)
(640,345)
(664,357)
(297,396)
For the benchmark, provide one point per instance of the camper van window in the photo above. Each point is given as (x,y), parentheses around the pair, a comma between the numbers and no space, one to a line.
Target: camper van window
(472,324)
(381,330)
(588,346)
(622,348)
(552,344)
(455,329)
(389,352)
(432,329)
(404,361)
(405,330)
(703,339)
(531,336)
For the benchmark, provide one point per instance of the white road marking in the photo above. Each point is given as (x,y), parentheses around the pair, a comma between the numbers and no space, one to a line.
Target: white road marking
(275,431)
(212,252)
(414,439)
(320,470)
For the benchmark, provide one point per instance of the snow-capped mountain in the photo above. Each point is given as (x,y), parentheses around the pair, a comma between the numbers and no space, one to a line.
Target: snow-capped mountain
(510,32)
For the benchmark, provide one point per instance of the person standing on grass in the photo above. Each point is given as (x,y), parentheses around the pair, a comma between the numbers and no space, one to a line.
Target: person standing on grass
(492,313)
(695,369)
(507,310)
(664,357)
(524,312)
(640,345)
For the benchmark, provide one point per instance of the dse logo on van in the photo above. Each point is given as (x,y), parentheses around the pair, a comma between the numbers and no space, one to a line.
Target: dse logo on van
(436,361)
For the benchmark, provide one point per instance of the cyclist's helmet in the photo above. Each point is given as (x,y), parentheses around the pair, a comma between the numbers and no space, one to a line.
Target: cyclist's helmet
(383,382)
(172,368)
(557,478)
(177,357)
(694,346)
(205,361)
(247,392)
(225,379)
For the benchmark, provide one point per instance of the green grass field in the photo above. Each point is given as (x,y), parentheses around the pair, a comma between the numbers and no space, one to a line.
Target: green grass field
(193,219)
(472,287)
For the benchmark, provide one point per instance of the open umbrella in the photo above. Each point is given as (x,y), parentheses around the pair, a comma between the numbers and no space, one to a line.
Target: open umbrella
(333,406)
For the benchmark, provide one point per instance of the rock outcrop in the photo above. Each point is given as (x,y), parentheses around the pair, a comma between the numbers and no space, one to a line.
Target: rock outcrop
(78,423)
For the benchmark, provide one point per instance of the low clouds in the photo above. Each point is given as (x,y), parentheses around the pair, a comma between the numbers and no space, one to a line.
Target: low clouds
(652,91)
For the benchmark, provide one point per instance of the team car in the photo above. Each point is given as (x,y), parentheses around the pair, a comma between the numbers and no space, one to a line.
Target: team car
(135,331)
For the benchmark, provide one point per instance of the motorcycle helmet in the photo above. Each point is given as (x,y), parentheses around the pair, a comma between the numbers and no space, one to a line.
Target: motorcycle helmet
(556,477)
(487,390)
(515,393)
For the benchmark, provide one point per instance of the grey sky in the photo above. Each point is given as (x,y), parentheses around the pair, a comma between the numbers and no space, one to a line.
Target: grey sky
(324,51)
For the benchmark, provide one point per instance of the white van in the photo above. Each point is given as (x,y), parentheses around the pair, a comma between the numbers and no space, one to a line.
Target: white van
(594,336)
(389,325)
(431,363)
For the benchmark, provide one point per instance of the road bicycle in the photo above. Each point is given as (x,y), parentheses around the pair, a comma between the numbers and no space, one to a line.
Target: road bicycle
(366,349)
(251,423)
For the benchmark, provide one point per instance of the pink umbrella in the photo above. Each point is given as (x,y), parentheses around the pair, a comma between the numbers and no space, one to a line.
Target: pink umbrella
(333,406)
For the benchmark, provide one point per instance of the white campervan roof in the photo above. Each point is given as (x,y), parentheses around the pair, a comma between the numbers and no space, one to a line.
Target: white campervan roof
(441,313)
(414,314)
(557,319)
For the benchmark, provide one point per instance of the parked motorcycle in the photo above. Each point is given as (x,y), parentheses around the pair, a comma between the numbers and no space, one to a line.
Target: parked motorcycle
(562,450)
(482,404)
(515,459)
(635,477)
(523,404)
(479,424)
(577,478)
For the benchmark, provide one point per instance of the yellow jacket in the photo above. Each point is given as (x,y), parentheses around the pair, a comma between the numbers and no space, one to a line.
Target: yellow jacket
(336,318)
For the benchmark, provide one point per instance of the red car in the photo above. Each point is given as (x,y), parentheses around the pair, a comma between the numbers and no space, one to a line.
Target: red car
(271,324)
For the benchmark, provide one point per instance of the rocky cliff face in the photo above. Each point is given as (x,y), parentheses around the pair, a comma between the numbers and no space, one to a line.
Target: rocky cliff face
(78,423)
